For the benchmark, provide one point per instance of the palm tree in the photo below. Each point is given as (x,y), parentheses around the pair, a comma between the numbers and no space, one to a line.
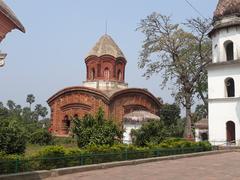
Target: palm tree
(30,99)
(11,105)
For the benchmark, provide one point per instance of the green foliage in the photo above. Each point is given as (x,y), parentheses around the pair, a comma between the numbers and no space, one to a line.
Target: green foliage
(180,143)
(95,130)
(24,116)
(64,140)
(151,132)
(51,157)
(12,137)
(51,152)
(30,99)
(170,115)
(200,112)
(41,137)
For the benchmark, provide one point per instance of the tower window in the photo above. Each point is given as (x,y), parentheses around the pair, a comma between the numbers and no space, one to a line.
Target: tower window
(99,70)
(92,74)
(230,87)
(119,75)
(229,50)
(106,74)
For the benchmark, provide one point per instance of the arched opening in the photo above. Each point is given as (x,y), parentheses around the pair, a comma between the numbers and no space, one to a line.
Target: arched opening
(92,74)
(230,87)
(106,74)
(204,136)
(119,75)
(229,49)
(230,129)
(66,123)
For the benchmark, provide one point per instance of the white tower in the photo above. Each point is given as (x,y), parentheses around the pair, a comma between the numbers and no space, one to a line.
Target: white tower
(224,75)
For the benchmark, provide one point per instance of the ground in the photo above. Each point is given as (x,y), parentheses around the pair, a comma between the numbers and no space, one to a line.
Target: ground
(211,167)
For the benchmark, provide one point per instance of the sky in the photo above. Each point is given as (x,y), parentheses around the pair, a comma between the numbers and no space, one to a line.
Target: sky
(59,34)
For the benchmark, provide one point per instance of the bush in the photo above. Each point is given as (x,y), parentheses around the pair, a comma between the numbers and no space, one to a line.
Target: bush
(65,141)
(52,157)
(41,137)
(95,130)
(13,137)
(150,132)
(180,143)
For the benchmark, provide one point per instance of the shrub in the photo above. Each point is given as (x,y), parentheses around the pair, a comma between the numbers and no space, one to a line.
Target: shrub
(64,141)
(95,130)
(41,137)
(150,132)
(13,137)
(52,157)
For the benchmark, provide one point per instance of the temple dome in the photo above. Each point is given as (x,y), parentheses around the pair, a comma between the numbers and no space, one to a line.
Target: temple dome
(106,46)
(226,8)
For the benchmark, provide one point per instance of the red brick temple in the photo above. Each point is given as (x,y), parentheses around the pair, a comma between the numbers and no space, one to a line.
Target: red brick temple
(104,87)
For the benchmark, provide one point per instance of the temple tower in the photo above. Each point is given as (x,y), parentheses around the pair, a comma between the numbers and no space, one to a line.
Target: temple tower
(224,75)
(105,65)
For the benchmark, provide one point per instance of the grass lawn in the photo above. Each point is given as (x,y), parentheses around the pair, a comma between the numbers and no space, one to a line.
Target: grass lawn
(66,142)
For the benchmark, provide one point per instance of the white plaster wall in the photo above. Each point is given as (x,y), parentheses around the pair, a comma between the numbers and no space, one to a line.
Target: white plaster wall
(105,85)
(128,127)
(220,112)
(216,80)
(218,39)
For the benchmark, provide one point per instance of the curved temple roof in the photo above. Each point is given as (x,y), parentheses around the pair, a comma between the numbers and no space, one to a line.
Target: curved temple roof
(106,46)
(227,7)
(140,116)
(10,15)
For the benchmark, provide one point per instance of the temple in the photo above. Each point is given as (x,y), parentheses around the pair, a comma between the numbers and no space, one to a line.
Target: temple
(104,87)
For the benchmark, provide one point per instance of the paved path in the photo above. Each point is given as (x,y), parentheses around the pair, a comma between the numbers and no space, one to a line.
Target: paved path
(212,167)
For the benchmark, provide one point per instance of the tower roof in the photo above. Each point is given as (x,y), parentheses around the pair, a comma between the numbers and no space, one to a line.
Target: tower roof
(106,46)
(226,8)
(10,15)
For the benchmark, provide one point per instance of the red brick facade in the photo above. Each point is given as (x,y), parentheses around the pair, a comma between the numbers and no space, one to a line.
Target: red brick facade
(105,68)
(116,101)
(78,101)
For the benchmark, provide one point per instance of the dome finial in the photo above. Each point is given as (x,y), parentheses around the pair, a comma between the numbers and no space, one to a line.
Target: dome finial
(106,26)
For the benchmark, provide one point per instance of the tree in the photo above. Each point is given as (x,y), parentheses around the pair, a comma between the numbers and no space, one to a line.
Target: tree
(13,137)
(180,56)
(42,137)
(170,115)
(11,105)
(40,111)
(30,99)
(151,132)
(95,130)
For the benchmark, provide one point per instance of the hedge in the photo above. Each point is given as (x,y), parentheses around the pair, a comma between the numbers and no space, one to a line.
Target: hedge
(52,157)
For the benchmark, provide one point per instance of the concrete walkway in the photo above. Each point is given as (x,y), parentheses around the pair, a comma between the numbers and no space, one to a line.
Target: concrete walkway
(212,167)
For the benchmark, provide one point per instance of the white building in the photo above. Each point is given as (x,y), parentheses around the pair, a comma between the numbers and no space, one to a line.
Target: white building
(201,130)
(224,75)
(135,120)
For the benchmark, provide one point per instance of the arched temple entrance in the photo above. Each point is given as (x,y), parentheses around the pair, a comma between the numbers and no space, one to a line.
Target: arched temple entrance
(230,127)
(66,124)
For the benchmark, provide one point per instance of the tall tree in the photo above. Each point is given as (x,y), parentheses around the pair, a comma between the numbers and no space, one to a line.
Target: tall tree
(180,54)
(11,105)
(30,99)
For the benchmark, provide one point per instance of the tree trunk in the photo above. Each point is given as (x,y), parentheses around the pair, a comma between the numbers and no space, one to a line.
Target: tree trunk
(188,126)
